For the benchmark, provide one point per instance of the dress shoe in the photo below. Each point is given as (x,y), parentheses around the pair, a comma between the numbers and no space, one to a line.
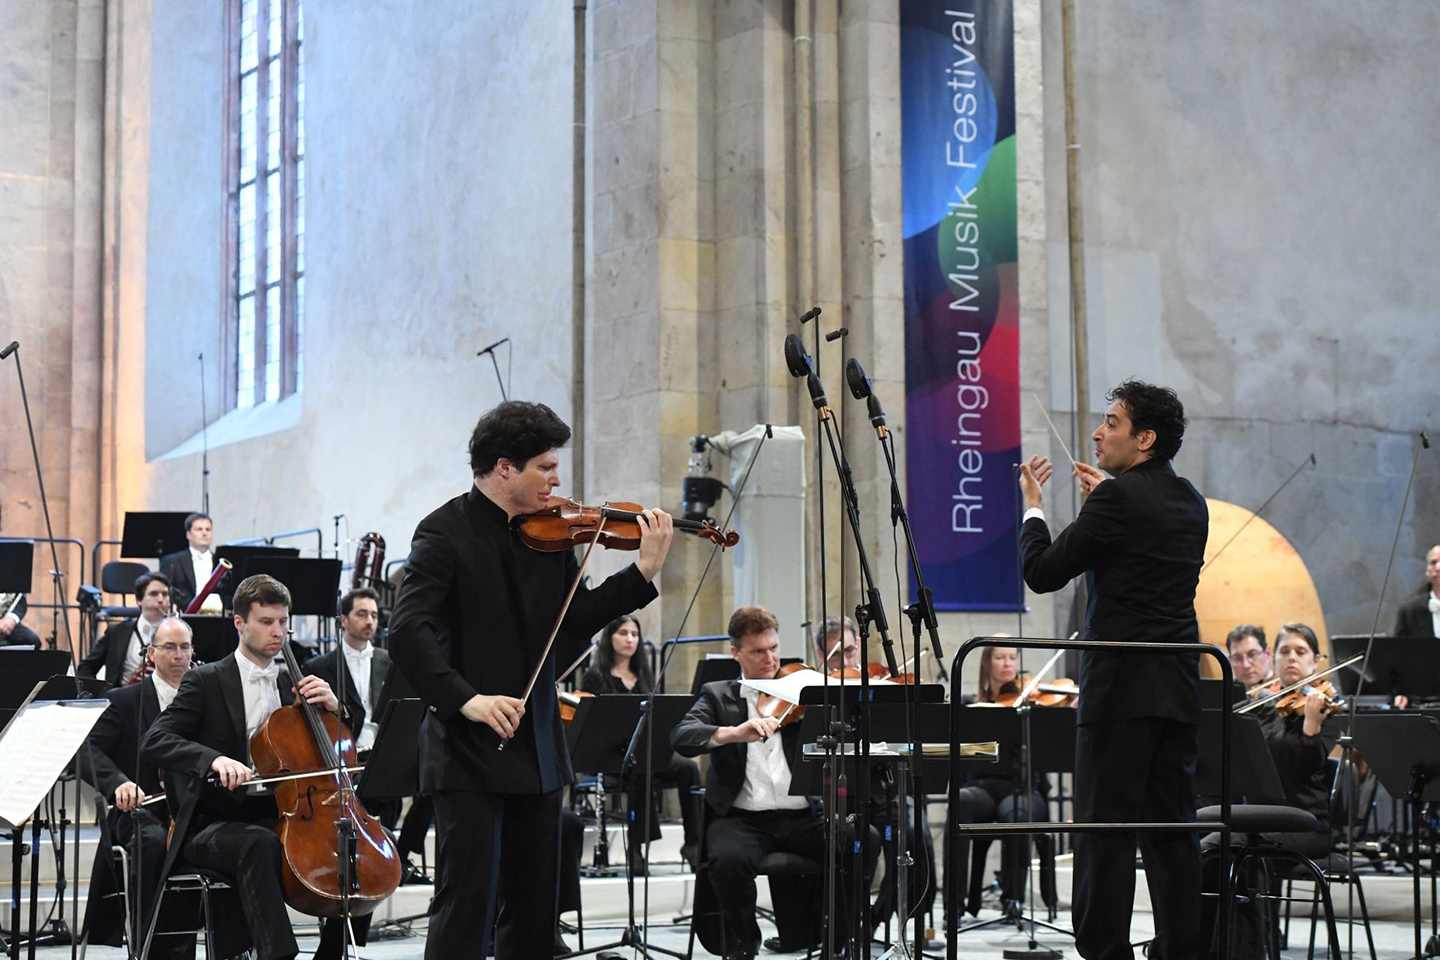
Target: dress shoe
(411,875)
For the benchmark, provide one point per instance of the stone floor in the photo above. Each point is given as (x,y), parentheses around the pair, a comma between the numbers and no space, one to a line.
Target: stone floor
(1393,941)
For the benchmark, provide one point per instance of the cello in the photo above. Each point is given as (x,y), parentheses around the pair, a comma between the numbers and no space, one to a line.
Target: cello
(320,813)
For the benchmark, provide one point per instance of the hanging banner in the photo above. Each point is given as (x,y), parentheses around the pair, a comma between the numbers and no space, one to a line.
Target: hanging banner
(962,308)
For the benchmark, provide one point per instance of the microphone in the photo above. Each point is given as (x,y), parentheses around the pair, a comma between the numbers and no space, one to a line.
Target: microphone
(796,359)
(862,389)
(492,346)
(9,349)
(810,314)
(1424,440)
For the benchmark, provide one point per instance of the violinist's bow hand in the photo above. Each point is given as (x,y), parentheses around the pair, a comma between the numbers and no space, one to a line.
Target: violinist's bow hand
(657,530)
(501,714)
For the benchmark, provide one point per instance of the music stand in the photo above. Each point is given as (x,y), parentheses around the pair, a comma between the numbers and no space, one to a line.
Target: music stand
(239,555)
(392,771)
(1404,751)
(1396,665)
(1253,775)
(314,583)
(153,534)
(17,562)
(36,745)
(22,669)
(214,638)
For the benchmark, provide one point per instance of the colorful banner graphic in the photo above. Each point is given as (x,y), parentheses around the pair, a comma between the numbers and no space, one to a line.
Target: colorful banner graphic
(962,309)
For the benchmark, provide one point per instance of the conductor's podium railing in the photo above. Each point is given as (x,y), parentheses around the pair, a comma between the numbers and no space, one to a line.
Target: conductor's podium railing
(955,831)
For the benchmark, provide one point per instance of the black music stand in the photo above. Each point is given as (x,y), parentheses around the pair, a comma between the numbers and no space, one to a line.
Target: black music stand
(711,669)
(1253,776)
(214,638)
(153,534)
(17,561)
(392,771)
(314,583)
(22,668)
(1404,751)
(239,555)
(1396,665)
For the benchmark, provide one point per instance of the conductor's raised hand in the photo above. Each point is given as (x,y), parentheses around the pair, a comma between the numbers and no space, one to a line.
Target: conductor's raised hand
(1089,477)
(499,713)
(315,690)
(1034,474)
(657,529)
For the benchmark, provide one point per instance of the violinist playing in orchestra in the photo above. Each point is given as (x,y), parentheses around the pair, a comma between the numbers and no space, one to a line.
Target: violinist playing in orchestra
(203,744)
(1294,727)
(120,651)
(619,666)
(492,599)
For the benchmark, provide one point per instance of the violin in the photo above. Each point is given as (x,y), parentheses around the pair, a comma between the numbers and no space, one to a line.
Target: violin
(302,738)
(1292,702)
(570,703)
(1060,692)
(566,524)
(787,713)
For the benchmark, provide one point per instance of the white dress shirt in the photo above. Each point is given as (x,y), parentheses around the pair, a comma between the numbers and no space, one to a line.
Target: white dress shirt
(164,692)
(767,771)
(1435,613)
(357,664)
(262,695)
(203,563)
(1033,513)
(140,638)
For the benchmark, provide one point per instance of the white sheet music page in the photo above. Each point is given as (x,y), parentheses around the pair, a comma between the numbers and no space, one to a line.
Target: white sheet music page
(35,747)
(788,687)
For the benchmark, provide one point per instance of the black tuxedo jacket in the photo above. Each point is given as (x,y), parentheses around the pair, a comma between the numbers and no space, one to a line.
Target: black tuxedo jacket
(206,720)
(180,570)
(109,652)
(473,614)
(721,704)
(1413,619)
(110,756)
(1140,542)
(354,712)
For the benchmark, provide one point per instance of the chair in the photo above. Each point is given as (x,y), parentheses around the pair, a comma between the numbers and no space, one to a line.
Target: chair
(1250,821)
(1044,846)
(119,576)
(194,881)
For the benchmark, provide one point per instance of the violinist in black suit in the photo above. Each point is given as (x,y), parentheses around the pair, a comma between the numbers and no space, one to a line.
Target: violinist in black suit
(470,624)
(1420,615)
(110,762)
(207,732)
(1139,540)
(747,791)
(121,650)
(13,632)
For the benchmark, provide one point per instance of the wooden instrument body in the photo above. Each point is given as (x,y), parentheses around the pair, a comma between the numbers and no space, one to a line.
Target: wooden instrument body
(309,809)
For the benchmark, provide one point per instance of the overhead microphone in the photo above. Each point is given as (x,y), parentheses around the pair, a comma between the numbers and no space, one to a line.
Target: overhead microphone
(796,359)
(15,345)
(810,314)
(862,389)
(502,340)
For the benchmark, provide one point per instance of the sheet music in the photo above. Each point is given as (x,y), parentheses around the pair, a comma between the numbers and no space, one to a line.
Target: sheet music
(788,687)
(35,747)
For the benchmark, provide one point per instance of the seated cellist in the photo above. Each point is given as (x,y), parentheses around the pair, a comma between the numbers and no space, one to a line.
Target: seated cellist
(206,732)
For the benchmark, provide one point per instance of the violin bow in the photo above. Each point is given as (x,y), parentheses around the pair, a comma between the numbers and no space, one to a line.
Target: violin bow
(559,619)
(1039,675)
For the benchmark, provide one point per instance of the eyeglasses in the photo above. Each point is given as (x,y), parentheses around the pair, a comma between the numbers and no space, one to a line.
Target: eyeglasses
(1247,657)
(174,648)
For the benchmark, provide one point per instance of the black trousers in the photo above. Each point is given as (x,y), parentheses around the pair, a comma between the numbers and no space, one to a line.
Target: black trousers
(736,844)
(250,855)
(997,801)
(416,826)
(495,847)
(1136,770)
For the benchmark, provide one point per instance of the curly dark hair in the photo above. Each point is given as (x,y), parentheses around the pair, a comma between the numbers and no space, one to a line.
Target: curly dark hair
(1153,408)
(604,657)
(516,431)
(142,582)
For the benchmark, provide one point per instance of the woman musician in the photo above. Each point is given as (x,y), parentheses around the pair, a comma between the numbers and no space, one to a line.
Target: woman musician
(619,667)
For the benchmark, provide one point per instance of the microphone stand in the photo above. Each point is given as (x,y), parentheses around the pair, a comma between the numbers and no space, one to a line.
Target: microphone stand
(509,356)
(1346,741)
(58,580)
(872,611)
(204,442)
